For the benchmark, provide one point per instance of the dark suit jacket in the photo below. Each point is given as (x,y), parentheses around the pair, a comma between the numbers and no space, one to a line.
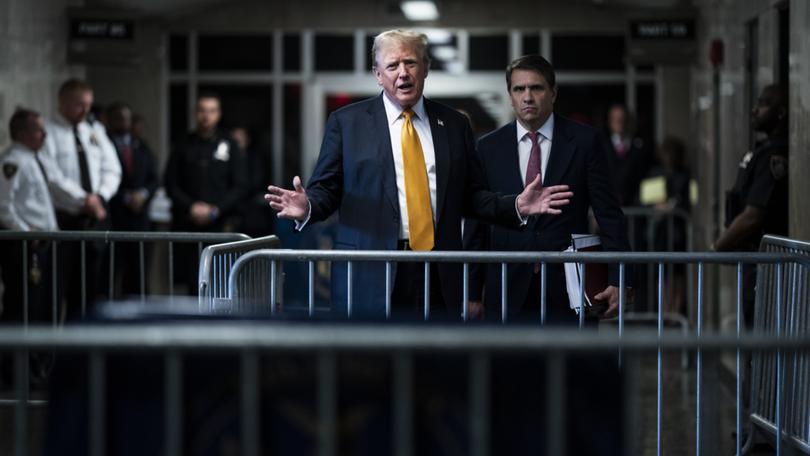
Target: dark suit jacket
(628,171)
(143,175)
(355,176)
(195,173)
(577,160)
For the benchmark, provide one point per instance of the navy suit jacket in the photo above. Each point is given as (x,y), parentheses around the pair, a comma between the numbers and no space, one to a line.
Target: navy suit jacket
(577,159)
(355,176)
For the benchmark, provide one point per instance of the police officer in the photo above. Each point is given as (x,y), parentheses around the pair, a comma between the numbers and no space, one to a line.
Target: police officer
(88,167)
(85,158)
(758,203)
(205,179)
(25,205)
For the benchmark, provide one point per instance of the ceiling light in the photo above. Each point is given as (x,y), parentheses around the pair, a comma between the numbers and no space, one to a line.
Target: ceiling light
(419,10)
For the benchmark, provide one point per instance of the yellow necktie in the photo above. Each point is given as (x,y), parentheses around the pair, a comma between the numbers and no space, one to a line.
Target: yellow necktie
(417,194)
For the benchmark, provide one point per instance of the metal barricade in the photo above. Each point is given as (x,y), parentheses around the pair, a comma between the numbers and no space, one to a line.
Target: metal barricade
(660,231)
(216,262)
(83,238)
(782,309)
(799,265)
(172,345)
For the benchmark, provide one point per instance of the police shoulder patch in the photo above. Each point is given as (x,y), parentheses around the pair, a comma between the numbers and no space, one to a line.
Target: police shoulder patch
(9,170)
(779,166)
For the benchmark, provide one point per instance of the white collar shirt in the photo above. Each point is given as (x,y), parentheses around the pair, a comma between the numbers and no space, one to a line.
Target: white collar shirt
(25,202)
(102,161)
(421,124)
(525,147)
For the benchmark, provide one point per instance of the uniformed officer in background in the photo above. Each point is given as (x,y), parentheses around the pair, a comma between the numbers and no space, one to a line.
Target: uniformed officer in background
(89,168)
(758,202)
(25,205)
(205,180)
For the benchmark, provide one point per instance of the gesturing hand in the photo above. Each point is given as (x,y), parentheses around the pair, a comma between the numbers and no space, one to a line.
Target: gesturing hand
(290,204)
(537,200)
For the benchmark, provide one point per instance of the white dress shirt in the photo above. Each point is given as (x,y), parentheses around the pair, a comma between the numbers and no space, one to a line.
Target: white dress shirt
(421,124)
(525,147)
(25,202)
(102,161)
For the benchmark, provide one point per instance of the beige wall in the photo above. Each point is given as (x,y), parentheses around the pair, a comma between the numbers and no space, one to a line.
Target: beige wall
(33,56)
(799,119)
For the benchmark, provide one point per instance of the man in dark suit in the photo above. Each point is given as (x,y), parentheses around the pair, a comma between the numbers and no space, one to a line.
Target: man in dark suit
(129,207)
(629,157)
(401,171)
(562,152)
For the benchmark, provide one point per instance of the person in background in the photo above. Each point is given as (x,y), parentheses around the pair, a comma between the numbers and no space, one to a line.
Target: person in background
(205,180)
(758,202)
(129,207)
(256,219)
(25,205)
(677,179)
(629,157)
(88,168)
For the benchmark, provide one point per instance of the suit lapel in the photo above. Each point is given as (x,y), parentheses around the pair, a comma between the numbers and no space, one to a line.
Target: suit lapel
(441,148)
(559,159)
(562,152)
(511,161)
(382,143)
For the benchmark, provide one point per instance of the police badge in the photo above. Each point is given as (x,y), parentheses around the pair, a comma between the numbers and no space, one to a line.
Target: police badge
(223,152)
(778,166)
(9,170)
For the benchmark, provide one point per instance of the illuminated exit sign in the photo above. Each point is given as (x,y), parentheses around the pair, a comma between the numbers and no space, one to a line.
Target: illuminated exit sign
(663,30)
(101,29)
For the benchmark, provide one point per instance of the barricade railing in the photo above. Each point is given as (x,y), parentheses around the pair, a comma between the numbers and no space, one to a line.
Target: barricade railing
(240,288)
(782,309)
(216,262)
(653,238)
(324,343)
(111,238)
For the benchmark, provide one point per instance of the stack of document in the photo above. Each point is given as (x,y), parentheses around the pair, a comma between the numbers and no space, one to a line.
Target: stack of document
(596,274)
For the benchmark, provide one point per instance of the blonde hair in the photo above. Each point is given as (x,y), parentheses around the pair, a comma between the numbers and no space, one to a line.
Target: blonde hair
(417,41)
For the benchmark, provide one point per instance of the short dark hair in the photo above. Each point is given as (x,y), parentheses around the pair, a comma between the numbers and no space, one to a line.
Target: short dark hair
(531,62)
(209,94)
(117,106)
(20,122)
(74,85)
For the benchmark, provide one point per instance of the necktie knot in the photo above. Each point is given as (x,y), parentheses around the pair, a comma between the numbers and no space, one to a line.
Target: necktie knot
(407,114)
(535,137)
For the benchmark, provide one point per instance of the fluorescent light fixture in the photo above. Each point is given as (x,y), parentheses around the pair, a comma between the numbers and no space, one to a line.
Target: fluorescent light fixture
(438,36)
(445,53)
(419,10)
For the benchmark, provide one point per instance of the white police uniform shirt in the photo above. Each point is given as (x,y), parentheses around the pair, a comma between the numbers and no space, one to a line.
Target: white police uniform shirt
(25,202)
(102,162)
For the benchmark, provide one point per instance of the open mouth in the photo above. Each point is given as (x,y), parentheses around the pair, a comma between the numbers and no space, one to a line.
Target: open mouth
(405,87)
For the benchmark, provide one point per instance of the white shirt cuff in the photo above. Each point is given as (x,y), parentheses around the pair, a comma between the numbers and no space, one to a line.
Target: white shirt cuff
(299,225)
(523,220)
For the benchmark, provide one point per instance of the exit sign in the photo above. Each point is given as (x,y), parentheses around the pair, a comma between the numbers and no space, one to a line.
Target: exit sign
(101,29)
(663,29)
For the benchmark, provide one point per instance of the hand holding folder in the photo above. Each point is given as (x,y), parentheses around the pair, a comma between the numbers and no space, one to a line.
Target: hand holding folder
(599,298)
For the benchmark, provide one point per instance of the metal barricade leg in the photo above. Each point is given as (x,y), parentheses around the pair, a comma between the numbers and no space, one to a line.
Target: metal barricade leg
(250,403)
(21,407)
(98,394)
(327,404)
(479,382)
(174,397)
(403,404)
(555,405)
